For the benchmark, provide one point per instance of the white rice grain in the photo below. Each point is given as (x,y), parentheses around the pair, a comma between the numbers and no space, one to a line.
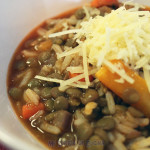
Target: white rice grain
(27,53)
(57,48)
(72,20)
(119,145)
(50,128)
(27,76)
(130,124)
(142,144)
(124,129)
(52,22)
(41,31)
(47,69)
(111,136)
(58,27)
(123,119)
(66,62)
(134,112)
(111,147)
(58,64)
(128,131)
(119,136)
(131,118)
(110,102)
(143,121)
(31,97)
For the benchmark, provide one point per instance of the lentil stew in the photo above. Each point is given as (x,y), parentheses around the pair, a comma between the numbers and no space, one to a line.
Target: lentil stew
(61,105)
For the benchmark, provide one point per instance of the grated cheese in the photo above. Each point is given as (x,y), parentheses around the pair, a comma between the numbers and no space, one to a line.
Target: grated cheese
(121,80)
(141,62)
(122,34)
(122,23)
(69,81)
(67,53)
(80,85)
(63,88)
(77,84)
(120,72)
(63,33)
(78,69)
(106,48)
(48,79)
(76,79)
(85,66)
(86,12)
(147,77)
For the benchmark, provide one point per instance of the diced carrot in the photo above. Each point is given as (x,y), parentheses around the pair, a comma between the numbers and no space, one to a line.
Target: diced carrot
(44,46)
(72,75)
(99,3)
(29,110)
(108,78)
(147,8)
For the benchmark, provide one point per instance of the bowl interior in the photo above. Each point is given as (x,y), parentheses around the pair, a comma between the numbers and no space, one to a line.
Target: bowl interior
(17,19)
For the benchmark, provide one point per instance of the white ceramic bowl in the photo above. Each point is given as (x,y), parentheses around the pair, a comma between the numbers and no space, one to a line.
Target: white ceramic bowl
(17,18)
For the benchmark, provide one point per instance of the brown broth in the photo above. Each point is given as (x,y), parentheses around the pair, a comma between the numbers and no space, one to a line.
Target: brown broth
(45,138)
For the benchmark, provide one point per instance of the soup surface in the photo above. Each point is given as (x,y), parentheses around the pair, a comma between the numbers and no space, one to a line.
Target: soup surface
(70,100)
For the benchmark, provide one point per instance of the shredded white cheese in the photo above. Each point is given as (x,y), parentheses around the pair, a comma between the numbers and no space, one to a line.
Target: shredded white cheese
(106,48)
(122,34)
(126,31)
(147,77)
(120,72)
(77,84)
(63,88)
(121,80)
(63,33)
(78,69)
(86,12)
(48,79)
(85,66)
(67,53)
(69,81)
(76,79)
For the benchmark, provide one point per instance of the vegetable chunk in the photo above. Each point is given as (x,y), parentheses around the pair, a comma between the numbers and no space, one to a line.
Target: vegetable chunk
(29,110)
(99,3)
(108,78)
